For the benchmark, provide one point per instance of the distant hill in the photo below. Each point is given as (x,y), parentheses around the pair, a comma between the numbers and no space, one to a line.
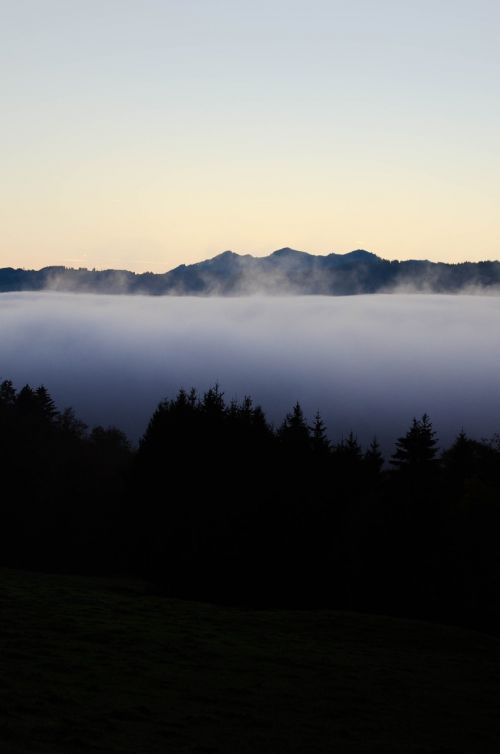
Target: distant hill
(285,271)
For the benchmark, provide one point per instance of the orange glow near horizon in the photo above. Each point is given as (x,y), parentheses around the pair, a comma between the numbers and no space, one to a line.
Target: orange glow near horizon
(144,136)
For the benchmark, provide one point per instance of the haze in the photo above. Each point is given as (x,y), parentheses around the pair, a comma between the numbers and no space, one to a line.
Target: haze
(368,363)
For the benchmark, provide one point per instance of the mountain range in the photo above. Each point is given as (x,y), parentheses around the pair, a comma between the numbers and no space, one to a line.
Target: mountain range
(284,272)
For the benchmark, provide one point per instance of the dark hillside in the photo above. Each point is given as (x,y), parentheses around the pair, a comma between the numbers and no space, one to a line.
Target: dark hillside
(284,272)
(92,665)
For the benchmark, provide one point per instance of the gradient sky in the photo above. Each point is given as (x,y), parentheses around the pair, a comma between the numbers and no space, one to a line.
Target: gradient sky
(145,134)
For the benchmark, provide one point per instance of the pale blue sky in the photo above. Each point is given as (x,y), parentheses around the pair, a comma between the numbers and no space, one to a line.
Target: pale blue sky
(146,134)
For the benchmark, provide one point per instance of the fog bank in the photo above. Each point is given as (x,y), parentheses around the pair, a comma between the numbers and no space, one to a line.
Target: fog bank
(368,363)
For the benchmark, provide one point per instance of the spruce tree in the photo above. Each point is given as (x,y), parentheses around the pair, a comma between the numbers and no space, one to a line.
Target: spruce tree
(416,451)
(294,432)
(319,441)
(373,458)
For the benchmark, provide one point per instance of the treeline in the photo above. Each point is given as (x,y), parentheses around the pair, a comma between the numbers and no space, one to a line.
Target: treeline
(284,271)
(216,504)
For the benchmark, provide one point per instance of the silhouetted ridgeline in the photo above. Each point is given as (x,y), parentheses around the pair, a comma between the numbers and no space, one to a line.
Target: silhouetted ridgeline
(283,272)
(216,504)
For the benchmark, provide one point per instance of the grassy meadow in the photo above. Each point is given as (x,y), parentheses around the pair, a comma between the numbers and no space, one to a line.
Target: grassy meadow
(93,665)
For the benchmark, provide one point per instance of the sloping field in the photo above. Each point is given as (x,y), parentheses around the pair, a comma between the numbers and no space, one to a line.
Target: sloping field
(105,666)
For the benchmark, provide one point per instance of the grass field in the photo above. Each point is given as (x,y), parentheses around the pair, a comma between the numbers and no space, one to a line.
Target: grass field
(90,665)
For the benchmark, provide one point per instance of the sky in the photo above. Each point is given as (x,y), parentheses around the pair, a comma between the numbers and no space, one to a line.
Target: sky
(369,364)
(145,134)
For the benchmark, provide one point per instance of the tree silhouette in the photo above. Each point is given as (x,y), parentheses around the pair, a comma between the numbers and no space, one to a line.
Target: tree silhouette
(348,455)
(320,443)
(213,404)
(70,426)
(294,432)
(416,451)
(7,394)
(373,459)
(46,405)
(216,504)
(469,459)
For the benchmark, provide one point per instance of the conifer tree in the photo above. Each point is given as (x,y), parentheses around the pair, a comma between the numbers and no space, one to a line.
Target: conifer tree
(417,449)
(213,402)
(349,449)
(46,405)
(373,458)
(319,440)
(7,394)
(294,432)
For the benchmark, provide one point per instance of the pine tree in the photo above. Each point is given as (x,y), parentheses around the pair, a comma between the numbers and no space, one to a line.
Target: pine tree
(373,458)
(319,441)
(294,432)
(7,394)
(348,458)
(349,449)
(416,450)
(46,405)
(213,404)
(26,401)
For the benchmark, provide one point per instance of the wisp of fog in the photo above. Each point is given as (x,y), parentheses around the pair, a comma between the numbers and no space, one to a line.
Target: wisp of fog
(368,363)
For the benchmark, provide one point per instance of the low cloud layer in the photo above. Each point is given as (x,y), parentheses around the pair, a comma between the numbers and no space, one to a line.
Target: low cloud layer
(368,363)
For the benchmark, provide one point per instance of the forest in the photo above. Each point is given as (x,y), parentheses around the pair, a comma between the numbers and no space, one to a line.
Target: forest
(285,271)
(217,505)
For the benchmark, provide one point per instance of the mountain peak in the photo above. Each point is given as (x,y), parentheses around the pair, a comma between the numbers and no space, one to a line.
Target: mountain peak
(360,254)
(225,255)
(284,271)
(286,251)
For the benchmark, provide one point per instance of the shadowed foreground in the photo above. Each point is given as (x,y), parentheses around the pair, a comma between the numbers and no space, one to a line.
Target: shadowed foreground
(94,665)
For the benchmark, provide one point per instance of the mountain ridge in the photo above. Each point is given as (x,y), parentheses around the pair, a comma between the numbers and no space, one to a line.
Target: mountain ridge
(283,271)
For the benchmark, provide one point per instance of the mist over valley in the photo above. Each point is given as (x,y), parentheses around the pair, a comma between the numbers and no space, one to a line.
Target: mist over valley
(285,271)
(369,364)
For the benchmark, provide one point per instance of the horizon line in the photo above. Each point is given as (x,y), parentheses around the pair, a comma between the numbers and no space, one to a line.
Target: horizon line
(246,255)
